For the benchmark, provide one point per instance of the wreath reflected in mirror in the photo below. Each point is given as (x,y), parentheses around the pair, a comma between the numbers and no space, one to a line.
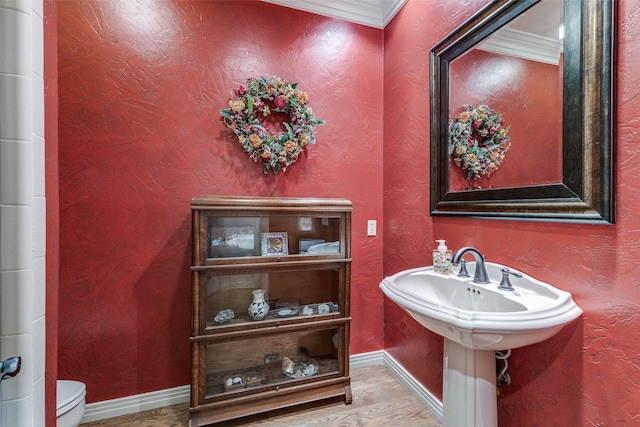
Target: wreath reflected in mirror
(478,141)
(252,103)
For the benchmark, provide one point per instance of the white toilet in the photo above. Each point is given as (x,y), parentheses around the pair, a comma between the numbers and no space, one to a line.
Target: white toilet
(70,403)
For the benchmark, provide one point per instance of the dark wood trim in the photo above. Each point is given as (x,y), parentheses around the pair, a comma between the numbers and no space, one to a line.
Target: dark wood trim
(587,191)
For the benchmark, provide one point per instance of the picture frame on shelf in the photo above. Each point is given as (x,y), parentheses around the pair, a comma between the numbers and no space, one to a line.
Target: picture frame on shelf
(275,244)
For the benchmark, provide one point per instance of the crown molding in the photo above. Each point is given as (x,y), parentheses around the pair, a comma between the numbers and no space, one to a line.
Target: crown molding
(521,44)
(372,13)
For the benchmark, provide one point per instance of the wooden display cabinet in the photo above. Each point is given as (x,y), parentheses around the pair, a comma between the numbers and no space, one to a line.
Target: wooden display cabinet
(299,252)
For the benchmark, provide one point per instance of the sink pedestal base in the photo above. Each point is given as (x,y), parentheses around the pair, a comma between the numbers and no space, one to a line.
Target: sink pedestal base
(469,388)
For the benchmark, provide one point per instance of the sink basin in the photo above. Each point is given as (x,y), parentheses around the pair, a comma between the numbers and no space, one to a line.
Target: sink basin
(480,316)
(475,321)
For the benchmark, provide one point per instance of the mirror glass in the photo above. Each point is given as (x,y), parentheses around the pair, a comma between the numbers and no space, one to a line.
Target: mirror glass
(497,72)
(543,68)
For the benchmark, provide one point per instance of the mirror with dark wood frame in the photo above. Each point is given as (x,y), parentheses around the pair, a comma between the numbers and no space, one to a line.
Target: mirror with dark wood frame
(583,189)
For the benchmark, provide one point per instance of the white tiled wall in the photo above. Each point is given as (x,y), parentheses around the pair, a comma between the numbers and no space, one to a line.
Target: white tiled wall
(22,211)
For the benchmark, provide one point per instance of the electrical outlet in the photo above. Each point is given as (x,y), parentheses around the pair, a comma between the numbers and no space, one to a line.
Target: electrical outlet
(371,227)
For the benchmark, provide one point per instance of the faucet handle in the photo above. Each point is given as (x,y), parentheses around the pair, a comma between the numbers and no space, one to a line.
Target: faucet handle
(505,284)
(463,269)
(10,367)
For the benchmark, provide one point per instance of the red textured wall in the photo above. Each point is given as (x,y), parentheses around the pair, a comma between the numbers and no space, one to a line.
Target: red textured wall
(530,106)
(52,198)
(139,136)
(586,375)
(140,86)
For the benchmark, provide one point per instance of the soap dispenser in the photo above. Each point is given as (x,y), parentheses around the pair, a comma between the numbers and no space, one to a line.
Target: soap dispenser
(442,258)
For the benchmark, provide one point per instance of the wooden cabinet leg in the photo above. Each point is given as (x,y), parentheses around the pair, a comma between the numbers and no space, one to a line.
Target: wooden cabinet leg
(347,394)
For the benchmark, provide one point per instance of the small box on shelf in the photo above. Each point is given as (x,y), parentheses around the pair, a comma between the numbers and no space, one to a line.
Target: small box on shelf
(234,382)
(272,358)
(254,378)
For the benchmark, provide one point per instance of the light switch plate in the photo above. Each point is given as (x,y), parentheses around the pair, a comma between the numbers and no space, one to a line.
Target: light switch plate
(371,227)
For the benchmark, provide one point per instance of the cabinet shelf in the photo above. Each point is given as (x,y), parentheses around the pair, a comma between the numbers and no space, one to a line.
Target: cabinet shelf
(249,328)
(244,321)
(297,253)
(298,261)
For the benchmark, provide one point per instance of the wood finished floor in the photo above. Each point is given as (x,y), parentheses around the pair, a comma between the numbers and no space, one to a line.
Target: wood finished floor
(378,400)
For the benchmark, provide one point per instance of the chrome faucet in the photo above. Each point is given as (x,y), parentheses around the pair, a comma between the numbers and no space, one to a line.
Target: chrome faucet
(480,275)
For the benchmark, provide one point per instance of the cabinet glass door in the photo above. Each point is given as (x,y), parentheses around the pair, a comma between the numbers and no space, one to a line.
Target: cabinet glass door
(252,364)
(293,295)
(271,236)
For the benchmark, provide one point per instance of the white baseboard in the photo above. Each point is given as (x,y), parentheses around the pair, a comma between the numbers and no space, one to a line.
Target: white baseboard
(432,403)
(381,357)
(173,396)
(362,360)
(136,403)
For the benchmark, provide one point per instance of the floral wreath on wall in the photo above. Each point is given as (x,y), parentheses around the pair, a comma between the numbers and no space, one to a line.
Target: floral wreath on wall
(478,140)
(261,96)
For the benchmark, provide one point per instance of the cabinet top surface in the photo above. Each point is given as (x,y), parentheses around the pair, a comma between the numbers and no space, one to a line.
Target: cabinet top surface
(267,202)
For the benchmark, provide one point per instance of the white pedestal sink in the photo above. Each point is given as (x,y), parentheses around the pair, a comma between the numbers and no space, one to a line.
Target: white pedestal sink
(476,320)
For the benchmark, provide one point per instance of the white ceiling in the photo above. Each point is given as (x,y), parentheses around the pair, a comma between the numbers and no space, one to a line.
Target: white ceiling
(372,13)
